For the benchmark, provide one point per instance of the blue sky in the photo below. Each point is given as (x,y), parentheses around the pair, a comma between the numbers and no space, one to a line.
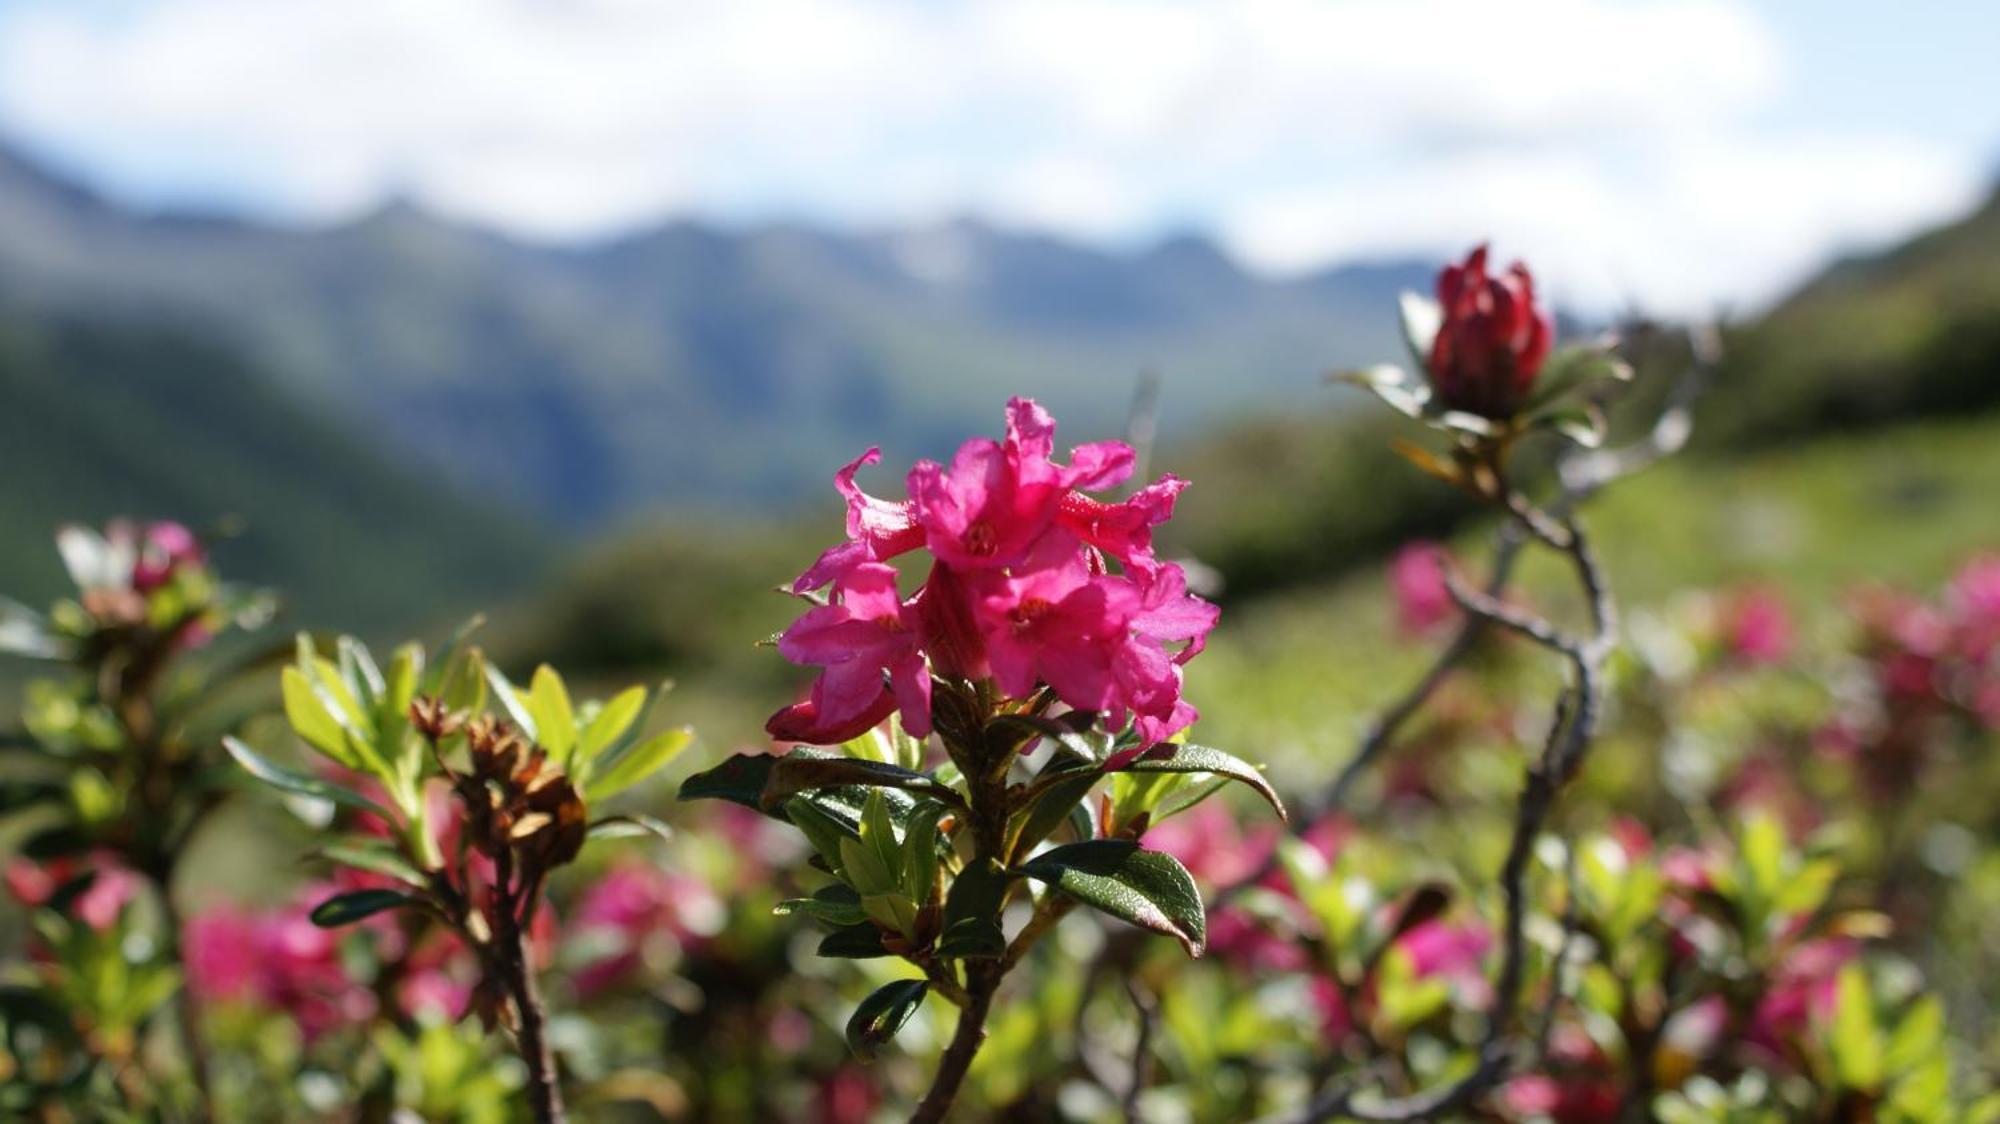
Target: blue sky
(1681,153)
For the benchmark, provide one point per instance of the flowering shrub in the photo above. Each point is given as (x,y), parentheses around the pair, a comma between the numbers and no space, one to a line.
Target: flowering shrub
(1045,635)
(115,775)
(1721,859)
(515,803)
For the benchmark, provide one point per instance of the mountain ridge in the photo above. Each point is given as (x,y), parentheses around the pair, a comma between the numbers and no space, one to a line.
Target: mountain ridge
(691,366)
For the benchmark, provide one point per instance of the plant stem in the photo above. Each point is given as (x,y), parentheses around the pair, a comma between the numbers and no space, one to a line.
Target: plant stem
(965,1043)
(544,1091)
(193,1042)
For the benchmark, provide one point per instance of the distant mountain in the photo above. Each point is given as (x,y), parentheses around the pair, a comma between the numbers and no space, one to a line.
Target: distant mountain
(104,420)
(689,366)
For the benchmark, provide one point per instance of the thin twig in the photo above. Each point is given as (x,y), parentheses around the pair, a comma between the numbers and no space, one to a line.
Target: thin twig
(1142,1050)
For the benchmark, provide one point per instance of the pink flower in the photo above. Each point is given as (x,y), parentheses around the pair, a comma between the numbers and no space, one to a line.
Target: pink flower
(112,886)
(164,549)
(278,960)
(1493,339)
(1757,627)
(1021,591)
(864,633)
(1803,990)
(1416,578)
(636,906)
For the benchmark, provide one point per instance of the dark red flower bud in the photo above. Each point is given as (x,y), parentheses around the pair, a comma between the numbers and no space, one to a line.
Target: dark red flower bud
(1492,341)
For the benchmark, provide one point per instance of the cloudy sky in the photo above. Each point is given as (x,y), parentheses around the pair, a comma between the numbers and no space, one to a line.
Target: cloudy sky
(1682,153)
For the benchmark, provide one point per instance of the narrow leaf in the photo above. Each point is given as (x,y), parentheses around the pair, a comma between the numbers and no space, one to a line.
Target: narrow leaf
(555,716)
(1202,759)
(298,783)
(640,762)
(614,718)
(352,906)
(882,1014)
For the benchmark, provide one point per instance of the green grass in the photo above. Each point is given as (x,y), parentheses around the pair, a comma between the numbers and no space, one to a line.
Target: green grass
(1289,678)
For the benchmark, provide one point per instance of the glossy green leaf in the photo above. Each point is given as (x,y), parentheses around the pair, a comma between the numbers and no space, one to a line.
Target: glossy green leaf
(1203,759)
(1147,888)
(352,906)
(971,922)
(853,942)
(882,1014)
(794,774)
(835,904)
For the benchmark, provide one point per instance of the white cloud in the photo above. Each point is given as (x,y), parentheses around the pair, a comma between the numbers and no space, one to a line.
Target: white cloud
(1616,141)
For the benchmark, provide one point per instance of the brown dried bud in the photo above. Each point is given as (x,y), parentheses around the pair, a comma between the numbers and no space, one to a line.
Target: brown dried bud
(433,719)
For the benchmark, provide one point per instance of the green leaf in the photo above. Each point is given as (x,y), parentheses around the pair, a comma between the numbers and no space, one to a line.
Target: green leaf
(835,904)
(823,831)
(639,762)
(920,851)
(1147,888)
(513,702)
(613,719)
(1918,1037)
(352,906)
(971,923)
(1855,1042)
(793,774)
(854,942)
(310,719)
(376,858)
(740,780)
(1202,759)
(629,826)
(882,1014)
(1054,805)
(1397,388)
(555,717)
(299,784)
(1017,730)
(863,868)
(1422,318)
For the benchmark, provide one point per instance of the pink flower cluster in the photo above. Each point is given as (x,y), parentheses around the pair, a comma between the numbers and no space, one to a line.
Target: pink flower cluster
(1021,591)
(635,909)
(1946,653)
(278,960)
(112,886)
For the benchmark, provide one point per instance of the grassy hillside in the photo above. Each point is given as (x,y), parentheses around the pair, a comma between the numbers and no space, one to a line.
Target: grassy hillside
(1293,674)
(101,421)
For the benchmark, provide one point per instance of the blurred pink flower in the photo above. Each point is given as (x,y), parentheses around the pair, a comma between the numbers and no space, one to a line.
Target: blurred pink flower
(279,960)
(112,886)
(633,906)
(1416,579)
(164,549)
(1757,627)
